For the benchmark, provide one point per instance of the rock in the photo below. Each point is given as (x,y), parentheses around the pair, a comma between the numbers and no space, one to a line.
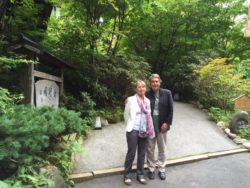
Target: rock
(205,110)
(176,97)
(192,102)
(246,144)
(52,173)
(222,124)
(200,106)
(70,136)
(98,124)
(229,134)
(239,140)
(227,131)
(239,121)
(232,135)
(104,122)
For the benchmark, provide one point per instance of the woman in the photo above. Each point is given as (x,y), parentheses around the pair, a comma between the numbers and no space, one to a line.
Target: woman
(139,127)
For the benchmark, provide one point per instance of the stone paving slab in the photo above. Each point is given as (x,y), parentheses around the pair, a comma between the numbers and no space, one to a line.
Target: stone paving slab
(191,134)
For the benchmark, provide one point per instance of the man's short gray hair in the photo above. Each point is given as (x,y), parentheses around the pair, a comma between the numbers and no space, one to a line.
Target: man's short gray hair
(155,76)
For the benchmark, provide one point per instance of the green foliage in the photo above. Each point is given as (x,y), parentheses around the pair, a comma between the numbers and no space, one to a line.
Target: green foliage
(113,115)
(27,177)
(173,35)
(28,133)
(111,81)
(85,106)
(114,43)
(245,133)
(117,75)
(7,101)
(217,84)
(78,36)
(9,66)
(40,124)
(34,174)
(217,114)
(4,185)
(61,156)
(83,31)
(9,63)
(92,27)
(243,68)
(23,17)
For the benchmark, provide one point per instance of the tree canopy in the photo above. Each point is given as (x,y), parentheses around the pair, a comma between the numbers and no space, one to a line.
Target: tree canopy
(172,37)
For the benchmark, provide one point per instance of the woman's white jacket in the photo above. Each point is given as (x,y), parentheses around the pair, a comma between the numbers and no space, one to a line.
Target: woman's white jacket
(131,108)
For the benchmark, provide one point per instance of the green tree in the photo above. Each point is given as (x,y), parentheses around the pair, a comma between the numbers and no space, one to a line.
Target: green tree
(217,84)
(173,35)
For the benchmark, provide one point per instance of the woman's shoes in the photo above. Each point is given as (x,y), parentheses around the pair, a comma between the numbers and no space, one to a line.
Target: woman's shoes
(127,181)
(141,179)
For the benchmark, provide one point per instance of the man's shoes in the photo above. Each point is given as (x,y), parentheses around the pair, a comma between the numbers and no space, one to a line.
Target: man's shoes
(162,175)
(151,175)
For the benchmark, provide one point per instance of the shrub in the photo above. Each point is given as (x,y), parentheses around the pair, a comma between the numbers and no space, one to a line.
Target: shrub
(5,101)
(28,130)
(28,133)
(113,115)
(12,62)
(109,80)
(61,156)
(245,133)
(85,106)
(217,84)
(217,114)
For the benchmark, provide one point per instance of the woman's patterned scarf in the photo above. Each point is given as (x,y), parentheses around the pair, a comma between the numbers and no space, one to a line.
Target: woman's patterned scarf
(146,128)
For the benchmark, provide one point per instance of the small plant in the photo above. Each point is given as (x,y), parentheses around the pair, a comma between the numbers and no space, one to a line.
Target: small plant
(85,106)
(245,133)
(217,114)
(113,115)
(7,101)
(61,156)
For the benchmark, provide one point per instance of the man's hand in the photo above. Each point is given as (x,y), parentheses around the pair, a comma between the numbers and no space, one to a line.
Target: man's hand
(164,127)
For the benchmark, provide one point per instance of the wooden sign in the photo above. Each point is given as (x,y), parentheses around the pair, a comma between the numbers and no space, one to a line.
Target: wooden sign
(47,93)
(242,103)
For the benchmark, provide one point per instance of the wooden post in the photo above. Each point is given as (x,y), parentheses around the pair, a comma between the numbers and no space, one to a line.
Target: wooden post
(30,84)
(62,83)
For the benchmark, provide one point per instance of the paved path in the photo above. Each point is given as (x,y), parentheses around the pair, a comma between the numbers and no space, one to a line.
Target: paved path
(191,133)
(225,172)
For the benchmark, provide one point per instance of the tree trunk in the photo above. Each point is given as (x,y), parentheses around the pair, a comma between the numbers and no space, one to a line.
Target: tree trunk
(3,5)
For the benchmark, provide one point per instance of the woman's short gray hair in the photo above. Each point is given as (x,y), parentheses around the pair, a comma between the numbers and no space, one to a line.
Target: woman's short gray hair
(155,76)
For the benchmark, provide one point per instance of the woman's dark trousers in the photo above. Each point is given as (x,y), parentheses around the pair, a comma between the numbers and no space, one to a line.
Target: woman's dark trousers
(135,143)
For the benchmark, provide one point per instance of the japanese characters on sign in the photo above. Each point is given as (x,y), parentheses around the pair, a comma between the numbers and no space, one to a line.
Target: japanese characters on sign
(47,93)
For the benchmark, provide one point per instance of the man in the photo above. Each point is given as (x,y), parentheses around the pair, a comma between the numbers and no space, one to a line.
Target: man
(162,113)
